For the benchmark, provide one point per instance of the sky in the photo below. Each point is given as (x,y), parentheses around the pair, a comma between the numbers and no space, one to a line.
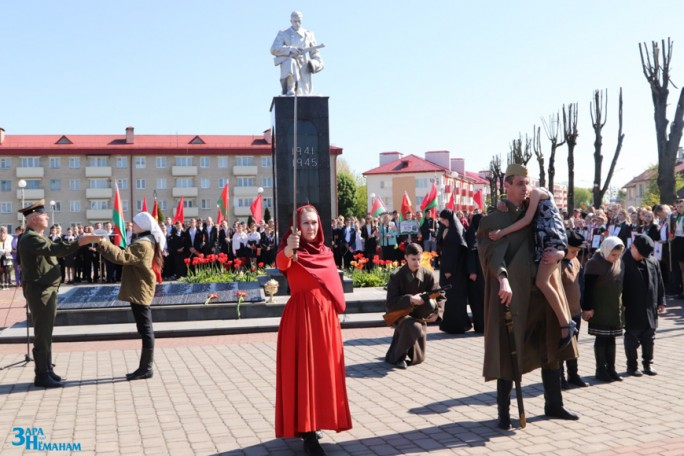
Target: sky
(467,77)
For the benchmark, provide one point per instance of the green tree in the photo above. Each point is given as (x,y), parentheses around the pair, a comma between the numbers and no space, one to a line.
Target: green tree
(582,197)
(346,194)
(652,195)
(267,215)
(250,221)
(361,206)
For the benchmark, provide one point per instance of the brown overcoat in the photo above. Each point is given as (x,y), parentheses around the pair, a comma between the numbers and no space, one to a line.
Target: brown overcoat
(536,328)
(138,281)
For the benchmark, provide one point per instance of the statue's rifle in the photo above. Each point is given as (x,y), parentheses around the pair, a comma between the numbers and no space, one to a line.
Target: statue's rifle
(508,321)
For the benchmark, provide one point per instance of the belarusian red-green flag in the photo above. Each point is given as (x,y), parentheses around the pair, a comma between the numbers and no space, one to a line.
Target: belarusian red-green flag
(430,199)
(405,207)
(377,208)
(179,216)
(118,219)
(222,204)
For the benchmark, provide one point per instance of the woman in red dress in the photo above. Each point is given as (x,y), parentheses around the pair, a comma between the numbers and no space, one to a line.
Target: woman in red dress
(310,377)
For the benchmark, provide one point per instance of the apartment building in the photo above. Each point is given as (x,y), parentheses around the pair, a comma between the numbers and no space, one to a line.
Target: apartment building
(77,174)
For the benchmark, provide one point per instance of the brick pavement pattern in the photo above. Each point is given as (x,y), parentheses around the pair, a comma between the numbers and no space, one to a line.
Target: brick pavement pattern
(215,395)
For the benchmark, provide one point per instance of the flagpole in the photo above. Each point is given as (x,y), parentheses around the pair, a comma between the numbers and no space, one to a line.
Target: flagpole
(294,175)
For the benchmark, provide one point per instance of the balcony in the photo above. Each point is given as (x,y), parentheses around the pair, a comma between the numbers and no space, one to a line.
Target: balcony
(188,192)
(245,191)
(30,173)
(178,171)
(98,214)
(98,171)
(191,212)
(31,194)
(245,170)
(99,193)
(242,211)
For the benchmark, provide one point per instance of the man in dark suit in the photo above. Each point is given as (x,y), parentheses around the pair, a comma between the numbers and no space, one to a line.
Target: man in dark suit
(210,234)
(194,239)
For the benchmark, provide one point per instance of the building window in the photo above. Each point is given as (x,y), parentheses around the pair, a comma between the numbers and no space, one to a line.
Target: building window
(266,162)
(5,163)
(244,202)
(140,162)
(57,208)
(122,162)
(162,204)
(74,185)
(161,162)
(222,182)
(75,206)
(140,184)
(205,182)
(188,203)
(138,205)
(6,208)
(29,162)
(242,160)
(267,182)
(33,184)
(99,204)
(245,182)
(98,183)
(98,162)
(162,183)
(122,184)
(422,182)
(55,185)
(184,161)
(5,186)
(184,182)
(222,162)
(74,163)
(55,162)
(204,162)
(268,203)
(382,184)
(641,190)
(204,204)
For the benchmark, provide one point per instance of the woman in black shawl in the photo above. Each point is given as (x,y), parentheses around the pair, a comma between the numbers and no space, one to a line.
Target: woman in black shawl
(475,277)
(453,250)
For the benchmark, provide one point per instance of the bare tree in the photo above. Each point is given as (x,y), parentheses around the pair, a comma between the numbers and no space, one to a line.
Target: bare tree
(599,106)
(519,154)
(495,179)
(536,146)
(570,135)
(658,76)
(552,130)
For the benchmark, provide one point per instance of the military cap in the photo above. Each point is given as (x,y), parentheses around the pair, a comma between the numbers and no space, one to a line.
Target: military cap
(38,206)
(515,169)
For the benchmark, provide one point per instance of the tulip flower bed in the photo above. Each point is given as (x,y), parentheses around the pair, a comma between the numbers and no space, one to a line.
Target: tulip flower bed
(378,274)
(218,268)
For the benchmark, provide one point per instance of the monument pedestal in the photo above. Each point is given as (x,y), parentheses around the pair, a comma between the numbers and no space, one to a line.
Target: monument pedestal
(316,182)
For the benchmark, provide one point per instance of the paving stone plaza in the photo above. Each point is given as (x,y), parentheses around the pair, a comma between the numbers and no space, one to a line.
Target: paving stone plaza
(215,395)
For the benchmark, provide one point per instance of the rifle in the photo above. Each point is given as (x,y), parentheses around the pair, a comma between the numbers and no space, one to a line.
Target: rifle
(508,321)
(303,51)
(392,317)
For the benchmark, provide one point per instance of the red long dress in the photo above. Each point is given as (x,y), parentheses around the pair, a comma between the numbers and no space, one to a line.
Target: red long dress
(311,392)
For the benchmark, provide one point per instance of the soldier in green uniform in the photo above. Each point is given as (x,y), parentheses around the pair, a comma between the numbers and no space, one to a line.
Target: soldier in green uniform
(41,276)
(509,269)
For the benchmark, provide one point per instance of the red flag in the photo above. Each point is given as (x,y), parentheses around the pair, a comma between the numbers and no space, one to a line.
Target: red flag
(257,208)
(477,198)
(155,210)
(451,204)
(144,205)
(405,207)
(219,217)
(430,199)
(180,211)
(118,219)
(222,204)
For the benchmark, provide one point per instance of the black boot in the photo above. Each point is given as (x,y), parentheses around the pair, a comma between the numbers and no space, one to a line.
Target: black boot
(503,403)
(145,370)
(600,354)
(647,353)
(43,378)
(51,372)
(553,398)
(564,383)
(573,376)
(610,360)
(311,445)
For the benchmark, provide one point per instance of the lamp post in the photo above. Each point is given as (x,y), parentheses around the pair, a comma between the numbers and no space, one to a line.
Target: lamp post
(22,185)
(52,206)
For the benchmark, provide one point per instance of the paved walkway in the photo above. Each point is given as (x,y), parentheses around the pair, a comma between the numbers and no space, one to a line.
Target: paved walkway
(215,395)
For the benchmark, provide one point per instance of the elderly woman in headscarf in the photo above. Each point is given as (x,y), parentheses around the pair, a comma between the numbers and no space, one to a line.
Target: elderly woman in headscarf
(602,304)
(475,276)
(453,270)
(142,264)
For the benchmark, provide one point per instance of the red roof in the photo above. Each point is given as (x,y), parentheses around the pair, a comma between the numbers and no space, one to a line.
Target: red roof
(153,144)
(475,178)
(408,164)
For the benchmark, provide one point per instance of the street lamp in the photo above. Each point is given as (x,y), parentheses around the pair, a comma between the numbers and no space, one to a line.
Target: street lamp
(52,206)
(22,185)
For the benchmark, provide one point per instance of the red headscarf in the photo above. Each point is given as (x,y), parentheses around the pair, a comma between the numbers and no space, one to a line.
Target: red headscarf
(317,259)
